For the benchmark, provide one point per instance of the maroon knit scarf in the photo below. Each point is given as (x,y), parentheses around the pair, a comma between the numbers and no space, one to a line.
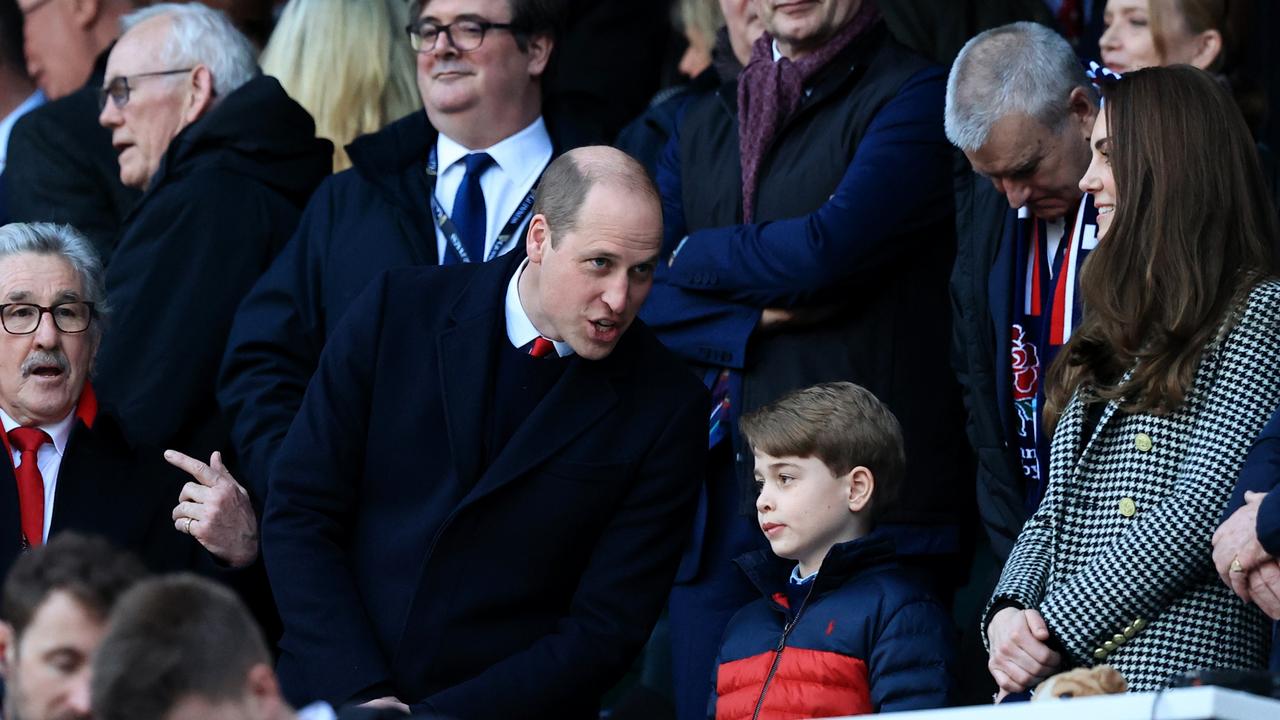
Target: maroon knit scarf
(770,92)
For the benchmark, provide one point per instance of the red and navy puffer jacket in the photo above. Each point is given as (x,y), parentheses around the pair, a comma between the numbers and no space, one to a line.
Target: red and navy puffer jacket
(865,639)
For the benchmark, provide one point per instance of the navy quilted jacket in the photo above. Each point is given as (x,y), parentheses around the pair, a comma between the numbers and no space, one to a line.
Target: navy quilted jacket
(866,639)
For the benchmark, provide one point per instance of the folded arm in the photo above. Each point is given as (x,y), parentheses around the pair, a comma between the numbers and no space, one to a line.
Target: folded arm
(899,179)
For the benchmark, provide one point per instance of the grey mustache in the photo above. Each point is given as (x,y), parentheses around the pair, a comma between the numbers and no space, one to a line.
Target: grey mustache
(42,359)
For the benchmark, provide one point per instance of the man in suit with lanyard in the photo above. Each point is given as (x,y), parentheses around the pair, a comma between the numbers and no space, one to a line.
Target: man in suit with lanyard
(452,184)
(479,509)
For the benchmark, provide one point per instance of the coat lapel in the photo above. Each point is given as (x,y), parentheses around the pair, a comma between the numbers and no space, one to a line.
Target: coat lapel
(466,364)
(10,514)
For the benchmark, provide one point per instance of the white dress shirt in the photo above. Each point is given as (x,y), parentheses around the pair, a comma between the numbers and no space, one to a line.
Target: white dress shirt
(518,162)
(48,457)
(520,329)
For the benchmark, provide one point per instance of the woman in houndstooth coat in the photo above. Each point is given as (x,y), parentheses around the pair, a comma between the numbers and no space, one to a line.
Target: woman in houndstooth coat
(1153,403)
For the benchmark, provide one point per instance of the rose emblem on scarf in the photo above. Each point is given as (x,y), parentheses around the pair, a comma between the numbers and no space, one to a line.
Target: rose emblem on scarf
(1025,366)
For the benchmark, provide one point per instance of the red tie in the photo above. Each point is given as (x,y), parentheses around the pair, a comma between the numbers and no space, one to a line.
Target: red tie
(30,483)
(542,347)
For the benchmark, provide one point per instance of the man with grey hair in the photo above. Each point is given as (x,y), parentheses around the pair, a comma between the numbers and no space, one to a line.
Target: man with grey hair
(69,463)
(227,161)
(1021,108)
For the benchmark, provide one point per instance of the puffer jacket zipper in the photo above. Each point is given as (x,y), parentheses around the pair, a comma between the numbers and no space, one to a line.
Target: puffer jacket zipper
(777,653)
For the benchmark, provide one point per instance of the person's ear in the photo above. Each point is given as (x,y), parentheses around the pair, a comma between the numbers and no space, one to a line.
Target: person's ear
(199,94)
(8,649)
(540,47)
(1083,111)
(538,238)
(1208,48)
(862,485)
(262,691)
(84,13)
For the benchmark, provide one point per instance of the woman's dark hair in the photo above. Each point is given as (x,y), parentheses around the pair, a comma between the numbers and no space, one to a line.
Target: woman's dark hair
(1193,232)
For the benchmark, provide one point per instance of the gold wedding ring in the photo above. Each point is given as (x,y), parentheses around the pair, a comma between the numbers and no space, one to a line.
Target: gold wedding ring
(1236,567)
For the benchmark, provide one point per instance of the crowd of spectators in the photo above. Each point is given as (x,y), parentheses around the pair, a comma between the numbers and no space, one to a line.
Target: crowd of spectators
(585,358)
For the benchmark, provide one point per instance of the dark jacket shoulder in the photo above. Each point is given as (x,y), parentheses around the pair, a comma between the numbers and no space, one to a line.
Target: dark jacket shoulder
(257,131)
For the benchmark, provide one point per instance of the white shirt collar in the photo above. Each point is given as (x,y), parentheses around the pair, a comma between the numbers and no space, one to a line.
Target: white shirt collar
(516,155)
(59,431)
(796,578)
(520,329)
(777,54)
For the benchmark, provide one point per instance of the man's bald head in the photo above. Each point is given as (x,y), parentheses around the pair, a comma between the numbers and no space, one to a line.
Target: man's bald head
(570,177)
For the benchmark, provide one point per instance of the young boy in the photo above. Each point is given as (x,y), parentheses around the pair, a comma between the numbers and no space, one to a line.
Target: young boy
(840,630)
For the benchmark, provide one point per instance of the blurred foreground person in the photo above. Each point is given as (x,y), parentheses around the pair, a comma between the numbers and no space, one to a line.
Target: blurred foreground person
(54,611)
(184,648)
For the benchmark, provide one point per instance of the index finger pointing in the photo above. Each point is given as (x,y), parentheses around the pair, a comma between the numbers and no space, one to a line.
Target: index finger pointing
(202,473)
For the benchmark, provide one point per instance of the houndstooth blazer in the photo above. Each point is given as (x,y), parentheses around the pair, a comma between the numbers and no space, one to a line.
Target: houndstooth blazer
(1118,556)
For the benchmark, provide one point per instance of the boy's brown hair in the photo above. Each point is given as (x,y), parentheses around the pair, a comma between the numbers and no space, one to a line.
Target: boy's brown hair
(841,424)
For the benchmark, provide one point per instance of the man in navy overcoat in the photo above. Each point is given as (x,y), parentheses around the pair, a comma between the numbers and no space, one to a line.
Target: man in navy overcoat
(479,509)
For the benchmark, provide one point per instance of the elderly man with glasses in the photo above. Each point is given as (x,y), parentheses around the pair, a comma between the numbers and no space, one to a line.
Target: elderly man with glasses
(227,161)
(452,184)
(69,466)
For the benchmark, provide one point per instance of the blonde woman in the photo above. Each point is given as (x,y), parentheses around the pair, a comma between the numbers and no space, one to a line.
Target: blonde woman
(347,63)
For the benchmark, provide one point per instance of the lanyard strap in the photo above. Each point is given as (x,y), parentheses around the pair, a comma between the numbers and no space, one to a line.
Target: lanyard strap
(450,231)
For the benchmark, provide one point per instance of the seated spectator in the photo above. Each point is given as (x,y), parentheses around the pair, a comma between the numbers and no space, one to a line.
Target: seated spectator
(71,464)
(183,648)
(450,184)
(63,166)
(371,86)
(1153,402)
(228,161)
(54,611)
(1209,34)
(863,636)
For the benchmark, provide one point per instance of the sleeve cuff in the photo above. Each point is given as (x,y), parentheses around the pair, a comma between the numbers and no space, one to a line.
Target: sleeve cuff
(1269,523)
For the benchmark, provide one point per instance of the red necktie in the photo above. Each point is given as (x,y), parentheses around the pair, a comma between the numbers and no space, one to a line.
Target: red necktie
(30,482)
(542,347)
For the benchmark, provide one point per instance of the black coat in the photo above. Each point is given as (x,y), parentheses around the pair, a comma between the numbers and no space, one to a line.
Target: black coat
(368,219)
(61,168)
(888,325)
(226,197)
(982,298)
(105,488)
(404,565)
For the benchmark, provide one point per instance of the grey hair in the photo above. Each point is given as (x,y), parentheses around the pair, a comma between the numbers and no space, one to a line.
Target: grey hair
(1020,67)
(67,243)
(201,35)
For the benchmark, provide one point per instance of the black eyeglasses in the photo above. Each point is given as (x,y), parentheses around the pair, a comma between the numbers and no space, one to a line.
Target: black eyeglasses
(463,35)
(118,89)
(24,318)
